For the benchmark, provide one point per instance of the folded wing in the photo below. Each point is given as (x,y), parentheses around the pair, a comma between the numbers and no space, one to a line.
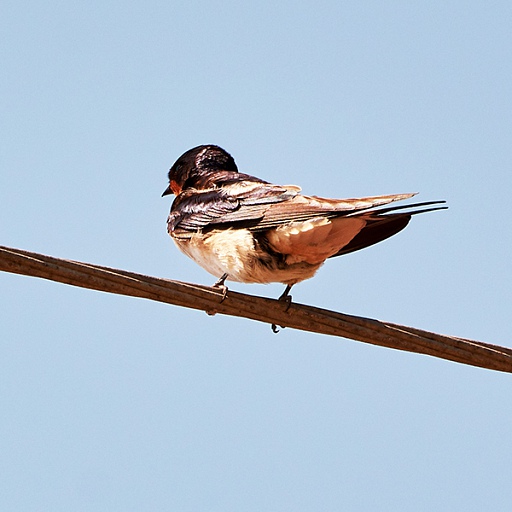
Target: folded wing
(304,228)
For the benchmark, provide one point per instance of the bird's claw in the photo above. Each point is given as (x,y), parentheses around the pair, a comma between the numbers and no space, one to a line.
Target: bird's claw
(288,299)
(220,284)
(224,289)
(284,297)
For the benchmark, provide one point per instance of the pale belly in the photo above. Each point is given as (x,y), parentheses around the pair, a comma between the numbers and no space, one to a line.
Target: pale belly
(237,254)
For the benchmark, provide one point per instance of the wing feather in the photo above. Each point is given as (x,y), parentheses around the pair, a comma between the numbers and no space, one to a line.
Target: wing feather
(260,206)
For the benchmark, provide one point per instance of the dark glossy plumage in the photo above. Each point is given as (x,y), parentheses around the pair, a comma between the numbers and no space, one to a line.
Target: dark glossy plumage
(254,231)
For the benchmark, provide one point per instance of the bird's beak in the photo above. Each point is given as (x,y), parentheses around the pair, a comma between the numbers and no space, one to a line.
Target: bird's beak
(167,191)
(173,188)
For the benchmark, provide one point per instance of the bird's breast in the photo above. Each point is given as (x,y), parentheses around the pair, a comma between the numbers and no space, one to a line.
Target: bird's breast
(221,252)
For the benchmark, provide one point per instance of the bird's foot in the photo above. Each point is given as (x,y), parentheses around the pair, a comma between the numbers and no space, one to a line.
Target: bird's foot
(285,297)
(220,284)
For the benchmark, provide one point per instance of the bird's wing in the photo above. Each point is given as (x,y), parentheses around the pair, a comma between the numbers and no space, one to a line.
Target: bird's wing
(303,208)
(243,202)
(260,207)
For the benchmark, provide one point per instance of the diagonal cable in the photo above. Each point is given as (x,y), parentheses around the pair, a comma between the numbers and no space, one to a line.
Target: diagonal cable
(298,316)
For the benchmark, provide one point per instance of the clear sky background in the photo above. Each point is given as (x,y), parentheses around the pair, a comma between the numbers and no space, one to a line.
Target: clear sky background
(109,403)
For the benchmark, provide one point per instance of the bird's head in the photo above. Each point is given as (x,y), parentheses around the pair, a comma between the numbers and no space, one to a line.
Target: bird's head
(191,168)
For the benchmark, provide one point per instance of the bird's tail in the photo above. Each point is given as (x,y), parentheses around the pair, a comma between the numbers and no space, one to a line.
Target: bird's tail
(382,223)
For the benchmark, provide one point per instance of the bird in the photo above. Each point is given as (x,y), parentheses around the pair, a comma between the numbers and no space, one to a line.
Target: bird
(241,228)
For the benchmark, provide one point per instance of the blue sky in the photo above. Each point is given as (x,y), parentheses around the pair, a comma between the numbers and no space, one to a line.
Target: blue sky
(113,403)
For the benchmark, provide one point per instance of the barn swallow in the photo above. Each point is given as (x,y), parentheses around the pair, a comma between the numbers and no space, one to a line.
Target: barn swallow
(242,228)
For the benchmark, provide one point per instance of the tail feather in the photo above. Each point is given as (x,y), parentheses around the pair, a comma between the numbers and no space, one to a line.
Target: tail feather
(413,205)
(375,232)
(381,224)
